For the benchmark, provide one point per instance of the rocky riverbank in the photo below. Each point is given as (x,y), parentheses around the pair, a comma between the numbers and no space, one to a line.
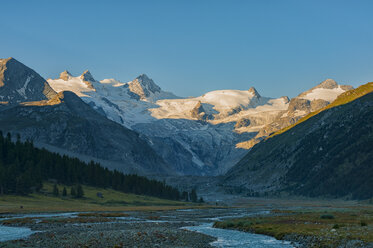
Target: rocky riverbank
(112,234)
(118,229)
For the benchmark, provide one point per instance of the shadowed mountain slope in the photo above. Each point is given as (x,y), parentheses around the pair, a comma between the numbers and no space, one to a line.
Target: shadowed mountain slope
(328,153)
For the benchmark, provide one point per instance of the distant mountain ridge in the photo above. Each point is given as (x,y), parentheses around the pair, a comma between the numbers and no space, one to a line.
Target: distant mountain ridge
(306,102)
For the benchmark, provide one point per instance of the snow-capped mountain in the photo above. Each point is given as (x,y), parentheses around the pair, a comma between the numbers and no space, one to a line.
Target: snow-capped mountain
(306,102)
(196,135)
(125,103)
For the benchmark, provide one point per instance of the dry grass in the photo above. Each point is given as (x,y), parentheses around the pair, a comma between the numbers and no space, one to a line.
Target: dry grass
(329,227)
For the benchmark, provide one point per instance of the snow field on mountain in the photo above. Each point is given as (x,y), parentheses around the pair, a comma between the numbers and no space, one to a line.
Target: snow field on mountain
(324,94)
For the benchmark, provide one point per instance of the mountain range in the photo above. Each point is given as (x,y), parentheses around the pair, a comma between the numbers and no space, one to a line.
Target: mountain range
(316,144)
(203,135)
(62,122)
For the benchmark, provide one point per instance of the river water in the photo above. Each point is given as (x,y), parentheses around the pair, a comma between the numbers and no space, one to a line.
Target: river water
(237,239)
(12,233)
(201,221)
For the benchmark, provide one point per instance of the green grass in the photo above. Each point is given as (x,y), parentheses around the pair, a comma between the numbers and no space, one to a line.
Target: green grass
(342,99)
(330,228)
(112,201)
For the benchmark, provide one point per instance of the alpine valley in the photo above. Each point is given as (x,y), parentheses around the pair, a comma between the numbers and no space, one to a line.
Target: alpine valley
(137,127)
(298,169)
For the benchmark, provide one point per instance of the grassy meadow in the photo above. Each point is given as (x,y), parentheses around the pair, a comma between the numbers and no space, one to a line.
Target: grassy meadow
(329,228)
(112,200)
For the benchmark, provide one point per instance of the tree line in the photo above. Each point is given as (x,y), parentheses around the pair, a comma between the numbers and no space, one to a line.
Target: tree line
(23,168)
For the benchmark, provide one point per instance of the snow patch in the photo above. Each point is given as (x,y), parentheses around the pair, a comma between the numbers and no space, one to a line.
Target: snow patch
(324,94)
(22,91)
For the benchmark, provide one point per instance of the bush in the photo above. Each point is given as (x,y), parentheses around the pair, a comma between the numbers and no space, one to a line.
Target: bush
(56,192)
(327,217)
(229,224)
(64,192)
(79,191)
(363,223)
(73,192)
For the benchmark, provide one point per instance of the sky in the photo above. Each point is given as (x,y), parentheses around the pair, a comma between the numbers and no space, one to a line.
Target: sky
(191,47)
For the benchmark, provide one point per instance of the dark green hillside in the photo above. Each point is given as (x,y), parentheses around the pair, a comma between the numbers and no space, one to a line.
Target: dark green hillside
(328,154)
(337,158)
(23,168)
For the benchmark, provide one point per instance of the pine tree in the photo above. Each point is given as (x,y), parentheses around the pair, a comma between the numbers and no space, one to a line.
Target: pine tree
(201,200)
(73,192)
(23,168)
(185,196)
(56,192)
(64,192)
(193,195)
(79,191)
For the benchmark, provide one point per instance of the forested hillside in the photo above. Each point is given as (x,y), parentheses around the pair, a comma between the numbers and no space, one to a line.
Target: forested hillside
(23,168)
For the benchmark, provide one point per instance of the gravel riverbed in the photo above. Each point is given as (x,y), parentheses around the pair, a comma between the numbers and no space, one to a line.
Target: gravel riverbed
(138,229)
(152,234)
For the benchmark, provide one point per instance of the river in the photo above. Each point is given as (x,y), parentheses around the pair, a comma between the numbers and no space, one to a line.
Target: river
(195,220)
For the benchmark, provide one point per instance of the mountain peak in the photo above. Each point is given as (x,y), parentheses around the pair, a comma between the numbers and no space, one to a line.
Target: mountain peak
(328,84)
(9,61)
(143,86)
(19,83)
(87,76)
(147,82)
(143,77)
(88,79)
(254,92)
(65,75)
(4,61)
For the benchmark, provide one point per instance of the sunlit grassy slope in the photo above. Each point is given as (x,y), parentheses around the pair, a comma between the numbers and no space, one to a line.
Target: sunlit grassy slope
(112,201)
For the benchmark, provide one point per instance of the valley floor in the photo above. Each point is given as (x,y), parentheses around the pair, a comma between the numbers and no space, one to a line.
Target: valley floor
(303,222)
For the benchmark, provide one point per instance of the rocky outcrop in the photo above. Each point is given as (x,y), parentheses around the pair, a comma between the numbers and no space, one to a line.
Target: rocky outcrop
(198,112)
(65,75)
(143,87)
(254,92)
(88,79)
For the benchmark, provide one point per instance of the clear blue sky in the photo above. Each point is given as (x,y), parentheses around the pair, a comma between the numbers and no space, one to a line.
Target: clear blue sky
(191,47)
